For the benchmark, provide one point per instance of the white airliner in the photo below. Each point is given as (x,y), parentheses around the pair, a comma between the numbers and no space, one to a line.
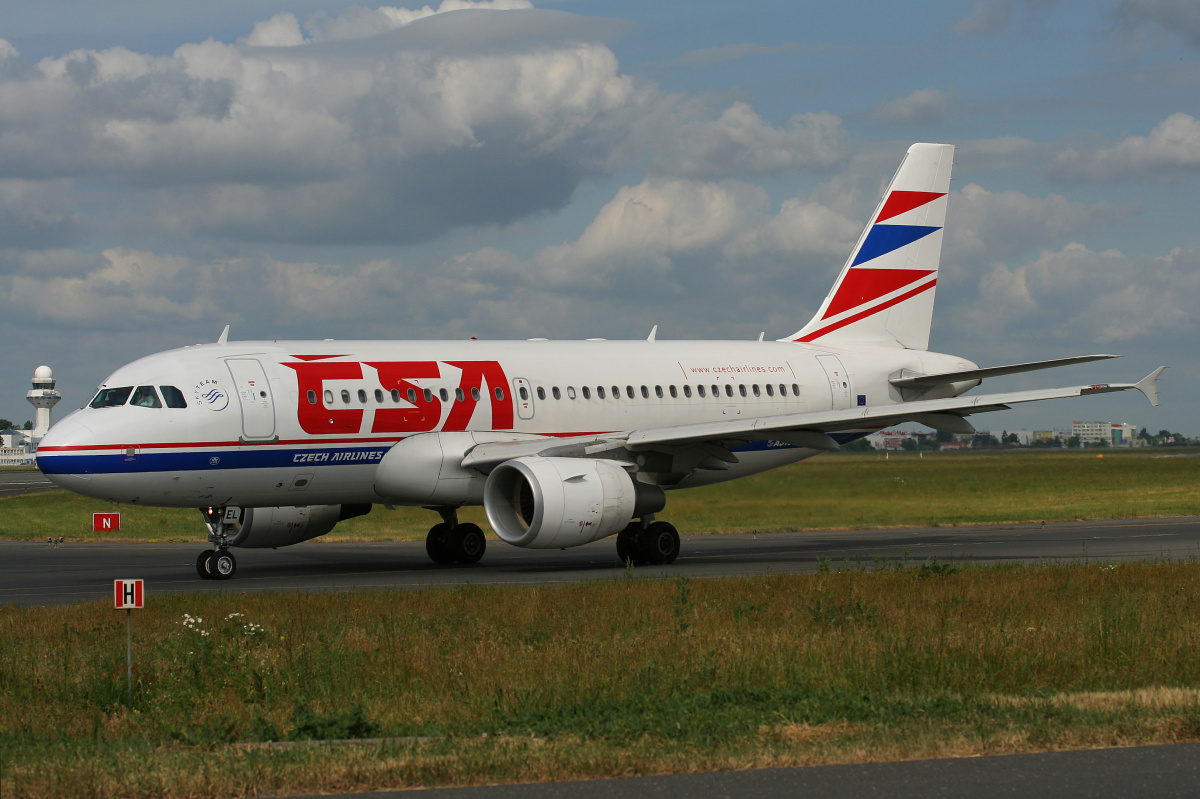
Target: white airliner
(562,442)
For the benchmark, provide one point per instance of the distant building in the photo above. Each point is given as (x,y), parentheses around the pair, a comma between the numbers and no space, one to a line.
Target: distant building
(889,439)
(1116,434)
(15,448)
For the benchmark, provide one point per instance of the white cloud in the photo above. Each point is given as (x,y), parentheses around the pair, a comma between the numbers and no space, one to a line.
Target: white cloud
(984,227)
(357,22)
(740,142)
(1169,16)
(281,30)
(990,17)
(337,138)
(37,213)
(1173,146)
(1075,294)
(923,105)
(128,289)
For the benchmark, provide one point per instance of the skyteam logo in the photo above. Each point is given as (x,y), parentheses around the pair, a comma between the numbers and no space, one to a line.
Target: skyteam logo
(210,394)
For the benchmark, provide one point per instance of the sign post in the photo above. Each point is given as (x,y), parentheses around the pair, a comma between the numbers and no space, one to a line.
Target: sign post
(127,595)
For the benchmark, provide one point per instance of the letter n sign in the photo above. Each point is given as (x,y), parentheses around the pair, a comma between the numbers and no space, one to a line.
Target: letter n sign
(105,522)
(127,594)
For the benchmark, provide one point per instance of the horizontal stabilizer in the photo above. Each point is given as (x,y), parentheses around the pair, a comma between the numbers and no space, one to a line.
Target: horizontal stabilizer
(928,381)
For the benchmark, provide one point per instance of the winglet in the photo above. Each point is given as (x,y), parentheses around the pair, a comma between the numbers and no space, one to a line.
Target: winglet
(653,333)
(224,337)
(1148,385)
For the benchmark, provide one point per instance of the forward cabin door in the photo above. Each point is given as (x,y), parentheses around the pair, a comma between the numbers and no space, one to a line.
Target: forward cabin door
(839,381)
(253,391)
(523,397)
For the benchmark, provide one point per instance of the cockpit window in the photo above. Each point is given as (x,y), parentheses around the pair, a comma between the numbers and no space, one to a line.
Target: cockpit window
(145,397)
(174,397)
(110,397)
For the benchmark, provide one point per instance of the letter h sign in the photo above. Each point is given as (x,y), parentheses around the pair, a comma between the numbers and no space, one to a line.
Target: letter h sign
(127,594)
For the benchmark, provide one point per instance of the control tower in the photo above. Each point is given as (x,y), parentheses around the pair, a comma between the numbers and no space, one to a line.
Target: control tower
(43,397)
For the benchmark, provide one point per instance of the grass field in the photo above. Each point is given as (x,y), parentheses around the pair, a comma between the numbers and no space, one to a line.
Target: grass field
(614,678)
(842,491)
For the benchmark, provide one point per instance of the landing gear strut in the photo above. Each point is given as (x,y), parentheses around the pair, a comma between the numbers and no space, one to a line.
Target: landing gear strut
(451,542)
(219,563)
(648,543)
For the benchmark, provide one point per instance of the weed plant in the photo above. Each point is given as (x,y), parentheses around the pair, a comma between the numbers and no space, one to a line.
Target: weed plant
(603,679)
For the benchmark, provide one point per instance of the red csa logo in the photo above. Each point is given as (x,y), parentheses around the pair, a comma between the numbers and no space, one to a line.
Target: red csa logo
(477,383)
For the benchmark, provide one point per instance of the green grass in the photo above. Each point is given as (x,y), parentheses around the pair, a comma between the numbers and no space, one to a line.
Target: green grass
(843,491)
(613,678)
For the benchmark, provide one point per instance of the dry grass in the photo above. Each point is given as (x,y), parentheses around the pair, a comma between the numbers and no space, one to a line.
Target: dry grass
(614,678)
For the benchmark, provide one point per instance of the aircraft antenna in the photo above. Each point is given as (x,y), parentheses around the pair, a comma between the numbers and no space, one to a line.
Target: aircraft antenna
(224,337)
(653,333)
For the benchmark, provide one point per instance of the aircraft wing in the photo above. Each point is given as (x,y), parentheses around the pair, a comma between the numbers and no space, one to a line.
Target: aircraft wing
(801,429)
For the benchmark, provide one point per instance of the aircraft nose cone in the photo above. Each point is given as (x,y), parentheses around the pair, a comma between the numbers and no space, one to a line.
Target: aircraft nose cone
(59,454)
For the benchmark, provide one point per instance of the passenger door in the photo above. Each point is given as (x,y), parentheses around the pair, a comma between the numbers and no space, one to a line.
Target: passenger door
(839,381)
(254,393)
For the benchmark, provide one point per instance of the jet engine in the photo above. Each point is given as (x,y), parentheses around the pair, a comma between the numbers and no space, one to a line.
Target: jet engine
(554,503)
(426,469)
(261,528)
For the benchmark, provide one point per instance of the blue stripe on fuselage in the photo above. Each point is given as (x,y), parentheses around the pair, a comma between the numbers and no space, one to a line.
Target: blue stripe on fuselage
(761,446)
(264,458)
(256,458)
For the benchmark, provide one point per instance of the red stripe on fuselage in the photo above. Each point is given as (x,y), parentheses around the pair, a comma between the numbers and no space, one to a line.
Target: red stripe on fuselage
(288,443)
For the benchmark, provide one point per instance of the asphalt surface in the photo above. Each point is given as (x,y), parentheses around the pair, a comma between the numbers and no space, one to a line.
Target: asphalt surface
(33,574)
(16,483)
(1163,772)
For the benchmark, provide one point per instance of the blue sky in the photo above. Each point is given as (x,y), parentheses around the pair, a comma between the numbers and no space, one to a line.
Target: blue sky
(573,169)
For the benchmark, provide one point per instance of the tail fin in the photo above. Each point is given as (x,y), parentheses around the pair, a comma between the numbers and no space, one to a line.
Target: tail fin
(884,295)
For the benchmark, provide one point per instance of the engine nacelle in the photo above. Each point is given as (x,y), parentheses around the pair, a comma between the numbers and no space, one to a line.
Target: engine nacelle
(554,503)
(262,528)
(426,469)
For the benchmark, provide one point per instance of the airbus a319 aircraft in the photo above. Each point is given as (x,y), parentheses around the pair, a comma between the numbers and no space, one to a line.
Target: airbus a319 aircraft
(562,442)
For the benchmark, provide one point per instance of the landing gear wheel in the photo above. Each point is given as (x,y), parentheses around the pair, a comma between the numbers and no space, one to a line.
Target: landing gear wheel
(437,544)
(627,544)
(204,564)
(467,543)
(222,564)
(659,544)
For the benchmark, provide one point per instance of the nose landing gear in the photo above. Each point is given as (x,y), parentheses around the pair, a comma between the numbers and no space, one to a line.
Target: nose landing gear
(218,564)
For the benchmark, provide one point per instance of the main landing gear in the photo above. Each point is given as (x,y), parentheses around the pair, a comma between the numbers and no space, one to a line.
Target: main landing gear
(452,542)
(648,543)
(219,563)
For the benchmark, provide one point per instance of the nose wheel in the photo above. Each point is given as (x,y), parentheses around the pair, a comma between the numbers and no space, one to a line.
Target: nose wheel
(218,564)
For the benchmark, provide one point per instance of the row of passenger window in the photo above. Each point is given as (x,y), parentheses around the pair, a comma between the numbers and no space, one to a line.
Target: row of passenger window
(411,395)
(143,397)
(701,391)
(600,392)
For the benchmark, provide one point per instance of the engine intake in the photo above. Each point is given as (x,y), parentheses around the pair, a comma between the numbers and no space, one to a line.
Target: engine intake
(263,528)
(554,503)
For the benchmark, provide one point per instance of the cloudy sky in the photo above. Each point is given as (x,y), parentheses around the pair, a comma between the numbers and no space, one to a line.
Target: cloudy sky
(318,169)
